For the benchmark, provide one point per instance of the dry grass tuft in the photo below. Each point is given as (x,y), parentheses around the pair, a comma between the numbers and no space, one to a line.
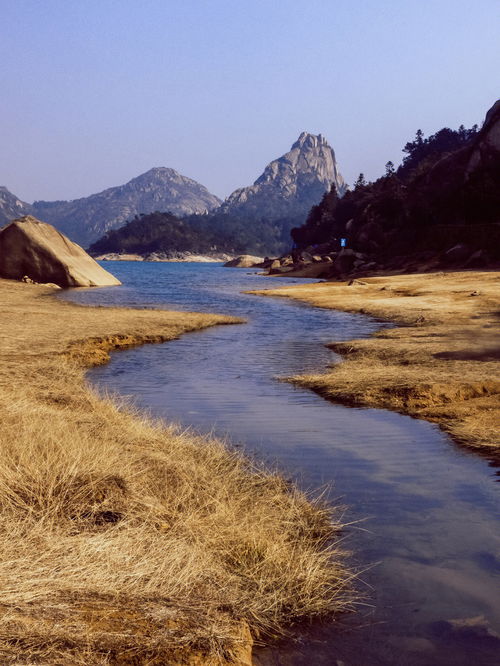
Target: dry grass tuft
(124,541)
(440,364)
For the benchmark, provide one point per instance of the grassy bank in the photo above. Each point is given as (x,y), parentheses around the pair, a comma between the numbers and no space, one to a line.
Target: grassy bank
(127,541)
(441,361)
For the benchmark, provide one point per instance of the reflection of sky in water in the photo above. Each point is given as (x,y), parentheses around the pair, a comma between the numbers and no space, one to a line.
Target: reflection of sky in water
(427,508)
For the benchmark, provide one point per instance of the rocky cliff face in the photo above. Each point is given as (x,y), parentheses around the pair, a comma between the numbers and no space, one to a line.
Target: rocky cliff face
(291,184)
(487,150)
(87,219)
(11,207)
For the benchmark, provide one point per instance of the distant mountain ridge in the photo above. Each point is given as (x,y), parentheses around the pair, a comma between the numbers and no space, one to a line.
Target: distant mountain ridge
(86,219)
(290,184)
(278,200)
(160,188)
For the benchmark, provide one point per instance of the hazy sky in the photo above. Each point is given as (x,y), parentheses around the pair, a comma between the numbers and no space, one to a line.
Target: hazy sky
(95,92)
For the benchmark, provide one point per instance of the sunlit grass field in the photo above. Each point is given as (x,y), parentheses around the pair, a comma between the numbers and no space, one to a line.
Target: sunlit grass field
(123,539)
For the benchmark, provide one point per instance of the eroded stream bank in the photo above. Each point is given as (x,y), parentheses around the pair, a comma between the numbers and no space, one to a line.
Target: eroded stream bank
(428,508)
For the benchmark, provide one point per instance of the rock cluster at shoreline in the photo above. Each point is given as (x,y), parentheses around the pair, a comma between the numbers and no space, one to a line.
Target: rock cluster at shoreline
(322,262)
(165,257)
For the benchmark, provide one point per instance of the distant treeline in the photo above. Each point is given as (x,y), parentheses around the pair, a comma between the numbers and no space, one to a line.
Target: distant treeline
(164,232)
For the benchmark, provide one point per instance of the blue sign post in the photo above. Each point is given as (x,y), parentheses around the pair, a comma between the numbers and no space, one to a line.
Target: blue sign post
(343,242)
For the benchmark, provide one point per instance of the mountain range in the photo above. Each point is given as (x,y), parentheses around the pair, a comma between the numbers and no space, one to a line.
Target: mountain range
(282,195)
(86,219)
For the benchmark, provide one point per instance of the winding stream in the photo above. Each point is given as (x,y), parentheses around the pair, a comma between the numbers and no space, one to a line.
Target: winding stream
(428,538)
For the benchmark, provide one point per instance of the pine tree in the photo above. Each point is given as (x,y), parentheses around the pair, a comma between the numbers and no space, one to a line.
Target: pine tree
(361,182)
(389,169)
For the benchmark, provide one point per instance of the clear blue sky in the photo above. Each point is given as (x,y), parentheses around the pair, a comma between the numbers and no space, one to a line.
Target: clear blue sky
(95,92)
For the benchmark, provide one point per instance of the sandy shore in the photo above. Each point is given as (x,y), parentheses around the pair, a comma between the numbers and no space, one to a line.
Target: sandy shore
(125,540)
(441,362)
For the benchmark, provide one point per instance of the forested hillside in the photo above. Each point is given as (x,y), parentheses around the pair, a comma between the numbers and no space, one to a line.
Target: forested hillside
(198,234)
(445,193)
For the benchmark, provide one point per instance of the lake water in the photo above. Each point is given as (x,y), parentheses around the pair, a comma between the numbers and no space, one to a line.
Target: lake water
(425,511)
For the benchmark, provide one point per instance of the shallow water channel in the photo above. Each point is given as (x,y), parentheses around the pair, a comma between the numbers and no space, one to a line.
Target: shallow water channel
(425,511)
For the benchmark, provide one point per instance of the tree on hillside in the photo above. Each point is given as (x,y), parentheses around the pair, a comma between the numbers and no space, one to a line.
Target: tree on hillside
(422,151)
(361,182)
(319,221)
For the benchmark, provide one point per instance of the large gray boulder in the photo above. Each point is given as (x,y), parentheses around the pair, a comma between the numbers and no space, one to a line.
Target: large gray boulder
(34,249)
(316,270)
(345,261)
(457,254)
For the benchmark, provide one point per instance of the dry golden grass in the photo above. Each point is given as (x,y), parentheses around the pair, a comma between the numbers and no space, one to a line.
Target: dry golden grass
(126,541)
(441,363)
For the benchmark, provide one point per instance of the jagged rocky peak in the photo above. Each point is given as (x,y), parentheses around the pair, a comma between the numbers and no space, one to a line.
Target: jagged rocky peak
(310,140)
(291,184)
(310,154)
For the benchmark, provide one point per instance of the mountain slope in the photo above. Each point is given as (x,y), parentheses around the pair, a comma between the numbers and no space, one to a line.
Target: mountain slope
(291,184)
(87,219)
(11,207)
